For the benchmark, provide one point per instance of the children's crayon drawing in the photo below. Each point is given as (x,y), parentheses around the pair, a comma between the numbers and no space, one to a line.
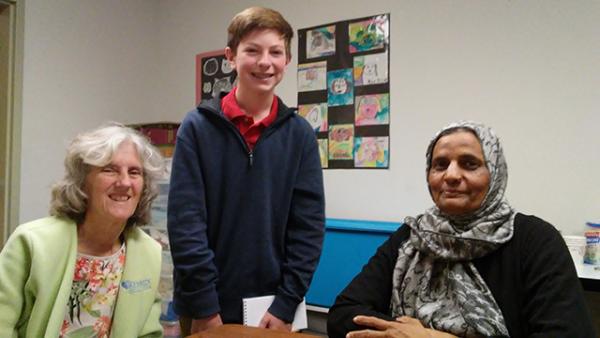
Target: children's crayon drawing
(368,34)
(315,114)
(312,76)
(323,152)
(372,109)
(341,140)
(370,69)
(371,152)
(340,87)
(320,42)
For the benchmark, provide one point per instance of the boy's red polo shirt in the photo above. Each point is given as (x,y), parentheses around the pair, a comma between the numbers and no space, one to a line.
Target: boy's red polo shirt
(249,129)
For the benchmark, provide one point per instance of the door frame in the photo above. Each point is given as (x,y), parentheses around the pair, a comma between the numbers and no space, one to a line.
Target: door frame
(12,178)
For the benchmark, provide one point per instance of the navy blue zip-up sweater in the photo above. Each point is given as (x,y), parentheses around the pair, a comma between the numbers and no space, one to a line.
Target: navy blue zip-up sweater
(244,223)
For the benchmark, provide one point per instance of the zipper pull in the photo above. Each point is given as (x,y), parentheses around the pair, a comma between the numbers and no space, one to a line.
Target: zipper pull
(251,158)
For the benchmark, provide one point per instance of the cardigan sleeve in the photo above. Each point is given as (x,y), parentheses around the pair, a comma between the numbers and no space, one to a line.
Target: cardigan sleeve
(195,274)
(14,271)
(370,291)
(554,305)
(152,327)
(305,231)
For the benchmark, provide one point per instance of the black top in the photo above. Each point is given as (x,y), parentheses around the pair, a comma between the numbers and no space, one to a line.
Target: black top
(532,278)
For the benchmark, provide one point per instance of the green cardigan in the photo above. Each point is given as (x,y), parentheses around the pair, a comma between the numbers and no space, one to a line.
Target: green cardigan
(36,273)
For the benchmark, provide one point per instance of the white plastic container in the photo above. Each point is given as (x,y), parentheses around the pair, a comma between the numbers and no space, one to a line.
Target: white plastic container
(576,245)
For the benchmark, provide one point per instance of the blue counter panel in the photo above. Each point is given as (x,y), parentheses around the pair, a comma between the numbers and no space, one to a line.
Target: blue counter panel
(348,246)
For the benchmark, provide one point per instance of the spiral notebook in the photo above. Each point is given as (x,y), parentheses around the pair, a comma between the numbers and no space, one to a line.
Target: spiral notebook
(256,307)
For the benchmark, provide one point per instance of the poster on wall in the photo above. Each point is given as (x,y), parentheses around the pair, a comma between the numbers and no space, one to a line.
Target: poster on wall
(344,90)
(214,74)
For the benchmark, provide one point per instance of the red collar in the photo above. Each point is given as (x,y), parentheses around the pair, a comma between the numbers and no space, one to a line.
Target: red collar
(233,112)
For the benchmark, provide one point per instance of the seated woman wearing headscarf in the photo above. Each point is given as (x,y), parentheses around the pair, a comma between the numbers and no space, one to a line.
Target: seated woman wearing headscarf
(88,270)
(471,266)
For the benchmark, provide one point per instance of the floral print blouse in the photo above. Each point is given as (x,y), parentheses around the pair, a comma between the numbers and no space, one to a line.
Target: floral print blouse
(93,295)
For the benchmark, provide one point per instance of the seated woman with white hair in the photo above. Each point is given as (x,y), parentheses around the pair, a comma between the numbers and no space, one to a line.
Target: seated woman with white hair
(88,270)
(470,266)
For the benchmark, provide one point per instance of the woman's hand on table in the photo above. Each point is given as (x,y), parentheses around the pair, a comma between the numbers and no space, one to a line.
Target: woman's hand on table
(402,327)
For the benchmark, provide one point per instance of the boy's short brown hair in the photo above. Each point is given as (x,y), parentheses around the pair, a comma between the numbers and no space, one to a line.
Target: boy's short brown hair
(254,18)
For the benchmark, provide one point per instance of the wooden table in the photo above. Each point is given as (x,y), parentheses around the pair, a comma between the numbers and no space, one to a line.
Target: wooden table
(241,331)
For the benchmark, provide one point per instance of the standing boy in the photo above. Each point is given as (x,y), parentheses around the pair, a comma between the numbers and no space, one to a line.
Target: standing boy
(246,205)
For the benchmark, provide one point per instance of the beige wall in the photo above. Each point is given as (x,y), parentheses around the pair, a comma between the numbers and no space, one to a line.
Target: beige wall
(528,68)
(85,62)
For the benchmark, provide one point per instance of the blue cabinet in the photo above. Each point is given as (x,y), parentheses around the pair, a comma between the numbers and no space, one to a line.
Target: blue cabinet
(348,246)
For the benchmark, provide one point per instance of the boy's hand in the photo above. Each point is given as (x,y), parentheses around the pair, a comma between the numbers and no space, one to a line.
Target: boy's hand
(206,323)
(271,322)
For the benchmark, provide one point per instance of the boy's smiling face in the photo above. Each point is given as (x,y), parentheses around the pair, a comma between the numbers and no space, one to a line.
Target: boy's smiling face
(260,61)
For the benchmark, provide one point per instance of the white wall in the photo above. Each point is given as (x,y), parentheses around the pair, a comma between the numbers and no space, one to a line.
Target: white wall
(528,68)
(85,62)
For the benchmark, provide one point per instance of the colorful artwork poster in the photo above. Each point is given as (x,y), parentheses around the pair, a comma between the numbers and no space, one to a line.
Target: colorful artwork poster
(372,110)
(312,76)
(371,152)
(368,34)
(341,141)
(323,152)
(315,114)
(344,90)
(320,42)
(340,87)
(371,69)
(214,74)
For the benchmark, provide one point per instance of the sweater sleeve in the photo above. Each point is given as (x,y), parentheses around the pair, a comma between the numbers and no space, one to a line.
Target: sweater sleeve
(370,291)
(14,271)
(152,327)
(195,275)
(554,305)
(304,234)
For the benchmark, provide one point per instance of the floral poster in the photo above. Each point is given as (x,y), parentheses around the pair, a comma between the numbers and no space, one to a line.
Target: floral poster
(344,90)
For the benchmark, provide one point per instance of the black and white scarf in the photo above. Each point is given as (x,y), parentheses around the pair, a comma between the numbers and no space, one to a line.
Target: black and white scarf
(434,279)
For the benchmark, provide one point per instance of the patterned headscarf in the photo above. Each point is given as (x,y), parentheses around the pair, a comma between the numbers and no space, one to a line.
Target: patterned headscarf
(434,279)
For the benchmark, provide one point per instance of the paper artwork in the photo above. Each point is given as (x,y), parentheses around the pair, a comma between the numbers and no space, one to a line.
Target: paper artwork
(224,84)
(323,152)
(340,87)
(312,76)
(368,34)
(226,66)
(341,140)
(371,69)
(315,114)
(210,67)
(371,152)
(214,74)
(372,109)
(320,42)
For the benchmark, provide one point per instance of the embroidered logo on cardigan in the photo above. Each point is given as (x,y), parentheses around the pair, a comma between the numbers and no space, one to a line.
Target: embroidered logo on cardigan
(135,286)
